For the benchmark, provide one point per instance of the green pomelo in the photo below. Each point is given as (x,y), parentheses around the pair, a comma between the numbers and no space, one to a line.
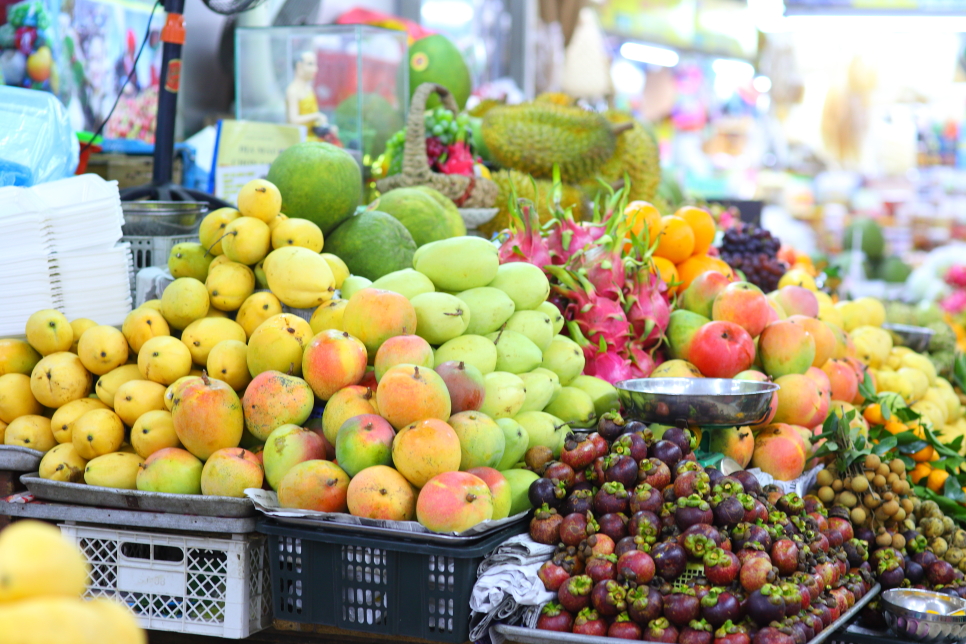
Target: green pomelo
(894,270)
(456,223)
(319,182)
(435,59)
(471,349)
(873,243)
(490,308)
(380,120)
(516,439)
(425,219)
(372,244)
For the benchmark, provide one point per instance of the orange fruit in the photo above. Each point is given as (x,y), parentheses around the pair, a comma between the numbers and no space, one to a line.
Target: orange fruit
(919,472)
(702,225)
(676,241)
(873,414)
(936,480)
(641,216)
(895,427)
(667,271)
(722,267)
(924,455)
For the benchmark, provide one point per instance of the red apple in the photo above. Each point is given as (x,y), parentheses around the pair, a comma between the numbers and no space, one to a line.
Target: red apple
(722,349)
(699,296)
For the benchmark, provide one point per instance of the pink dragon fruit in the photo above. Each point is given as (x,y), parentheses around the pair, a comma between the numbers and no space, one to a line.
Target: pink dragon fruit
(642,363)
(956,276)
(525,243)
(566,237)
(601,360)
(603,266)
(459,159)
(647,307)
(954,303)
(599,319)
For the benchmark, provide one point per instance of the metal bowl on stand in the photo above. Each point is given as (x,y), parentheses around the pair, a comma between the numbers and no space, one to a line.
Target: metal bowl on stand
(914,337)
(715,402)
(925,616)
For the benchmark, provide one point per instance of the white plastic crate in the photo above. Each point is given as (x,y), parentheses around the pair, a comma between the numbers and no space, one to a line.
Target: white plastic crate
(185,584)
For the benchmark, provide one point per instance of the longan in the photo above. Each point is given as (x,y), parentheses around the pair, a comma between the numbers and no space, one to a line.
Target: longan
(897,487)
(888,496)
(848,499)
(858,516)
(898,541)
(879,481)
(871,501)
(826,494)
(897,466)
(906,504)
(883,469)
(824,478)
(891,507)
(869,474)
(892,478)
(872,461)
(900,515)
(883,539)
(837,485)
(860,484)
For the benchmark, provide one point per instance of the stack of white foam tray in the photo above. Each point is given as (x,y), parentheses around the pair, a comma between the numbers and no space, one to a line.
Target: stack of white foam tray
(60,250)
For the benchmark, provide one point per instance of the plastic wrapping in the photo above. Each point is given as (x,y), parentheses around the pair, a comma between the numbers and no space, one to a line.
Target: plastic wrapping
(35,138)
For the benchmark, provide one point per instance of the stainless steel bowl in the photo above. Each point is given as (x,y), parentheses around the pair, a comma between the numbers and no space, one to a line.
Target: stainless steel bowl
(915,337)
(701,401)
(906,614)
(162,218)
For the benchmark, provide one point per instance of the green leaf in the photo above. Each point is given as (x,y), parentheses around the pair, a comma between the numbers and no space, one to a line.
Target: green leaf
(885,444)
(912,448)
(907,414)
(959,370)
(830,425)
(910,464)
(957,444)
(949,507)
(906,437)
(952,489)
(886,412)
(866,389)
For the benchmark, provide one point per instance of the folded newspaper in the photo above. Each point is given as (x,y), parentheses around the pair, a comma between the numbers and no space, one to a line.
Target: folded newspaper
(266,502)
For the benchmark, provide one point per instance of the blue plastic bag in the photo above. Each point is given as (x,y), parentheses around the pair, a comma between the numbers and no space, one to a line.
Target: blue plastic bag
(35,135)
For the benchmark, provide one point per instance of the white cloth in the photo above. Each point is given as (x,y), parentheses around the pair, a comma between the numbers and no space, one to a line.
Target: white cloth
(520,550)
(519,582)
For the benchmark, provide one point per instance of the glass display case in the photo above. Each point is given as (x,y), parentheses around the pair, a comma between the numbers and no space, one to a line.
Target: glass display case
(347,84)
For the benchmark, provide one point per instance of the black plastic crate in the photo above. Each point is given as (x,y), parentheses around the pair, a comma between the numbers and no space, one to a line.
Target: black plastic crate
(377,585)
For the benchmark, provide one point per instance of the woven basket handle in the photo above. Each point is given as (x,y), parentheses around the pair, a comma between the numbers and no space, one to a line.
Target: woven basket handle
(415,161)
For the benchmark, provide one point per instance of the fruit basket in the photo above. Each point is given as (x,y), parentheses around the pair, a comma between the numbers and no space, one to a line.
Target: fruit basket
(153,228)
(464,191)
(182,583)
(81,494)
(19,459)
(385,586)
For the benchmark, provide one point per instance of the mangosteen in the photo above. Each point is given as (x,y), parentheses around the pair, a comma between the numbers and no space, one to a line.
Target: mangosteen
(689,483)
(645,524)
(791,503)
(654,472)
(697,546)
(621,469)
(645,497)
(940,572)
(683,466)
(891,575)
(914,572)
(683,438)
(614,525)
(667,452)
(721,567)
(546,492)
(755,573)
(728,511)
(766,605)
(784,556)
(669,495)
(611,497)
(589,622)
(574,594)
(748,481)
(578,502)
(560,472)
(670,560)
(728,486)
(554,618)
(925,558)
(819,543)
(730,633)
(856,551)
(843,525)
(796,629)
(692,510)
(611,425)
(644,604)
(666,516)
(660,630)
(578,454)
(552,575)
(771,635)
(601,446)
(637,427)
(622,628)
(632,445)
(681,607)
(601,567)
(793,598)
(597,544)
(636,566)
(697,631)
(608,597)
(719,606)
(745,534)
(545,526)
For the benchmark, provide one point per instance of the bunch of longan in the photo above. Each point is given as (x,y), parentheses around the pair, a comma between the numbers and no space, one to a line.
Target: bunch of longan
(875,492)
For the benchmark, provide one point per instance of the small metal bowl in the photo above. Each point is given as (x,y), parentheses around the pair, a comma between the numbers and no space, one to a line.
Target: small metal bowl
(703,401)
(162,218)
(906,614)
(915,337)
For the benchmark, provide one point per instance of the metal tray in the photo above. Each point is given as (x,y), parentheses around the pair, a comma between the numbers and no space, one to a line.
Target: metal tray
(19,459)
(78,493)
(127,518)
(162,218)
(532,636)
(916,338)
